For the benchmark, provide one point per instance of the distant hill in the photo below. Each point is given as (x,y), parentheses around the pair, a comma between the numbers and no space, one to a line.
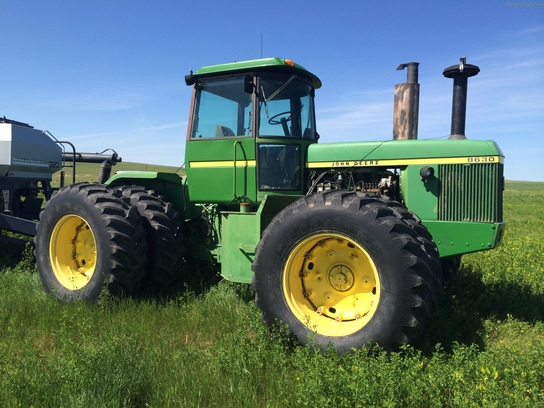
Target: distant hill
(524,185)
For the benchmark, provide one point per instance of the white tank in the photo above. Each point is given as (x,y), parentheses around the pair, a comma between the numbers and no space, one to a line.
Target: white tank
(28,152)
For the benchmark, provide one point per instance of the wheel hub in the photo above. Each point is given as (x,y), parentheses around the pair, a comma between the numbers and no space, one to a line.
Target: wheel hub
(341,278)
(336,287)
(72,251)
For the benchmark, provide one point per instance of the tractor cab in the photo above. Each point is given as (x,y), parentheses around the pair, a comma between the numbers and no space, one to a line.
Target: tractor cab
(249,129)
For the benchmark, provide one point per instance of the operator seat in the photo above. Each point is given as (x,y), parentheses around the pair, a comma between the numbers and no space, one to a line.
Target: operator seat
(223,131)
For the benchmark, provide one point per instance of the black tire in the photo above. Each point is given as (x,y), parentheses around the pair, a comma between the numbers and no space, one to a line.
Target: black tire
(427,244)
(164,236)
(343,268)
(88,240)
(450,266)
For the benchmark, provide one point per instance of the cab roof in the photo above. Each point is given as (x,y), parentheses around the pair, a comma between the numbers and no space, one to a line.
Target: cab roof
(263,64)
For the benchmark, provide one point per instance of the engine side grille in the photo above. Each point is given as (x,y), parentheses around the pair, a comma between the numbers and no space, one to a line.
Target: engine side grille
(471,192)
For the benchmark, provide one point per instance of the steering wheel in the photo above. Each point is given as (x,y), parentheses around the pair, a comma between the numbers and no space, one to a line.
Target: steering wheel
(275,121)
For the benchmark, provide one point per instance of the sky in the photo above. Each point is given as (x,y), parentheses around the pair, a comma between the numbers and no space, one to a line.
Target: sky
(110,74)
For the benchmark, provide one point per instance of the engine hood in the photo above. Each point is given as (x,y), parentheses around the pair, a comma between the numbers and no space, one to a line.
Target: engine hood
(400,152)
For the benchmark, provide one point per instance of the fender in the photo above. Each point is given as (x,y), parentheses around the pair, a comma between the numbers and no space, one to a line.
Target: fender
(170,185)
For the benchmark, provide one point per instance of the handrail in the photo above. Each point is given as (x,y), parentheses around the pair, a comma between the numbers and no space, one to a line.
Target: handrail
(242,196)
(65,155)
(234,169)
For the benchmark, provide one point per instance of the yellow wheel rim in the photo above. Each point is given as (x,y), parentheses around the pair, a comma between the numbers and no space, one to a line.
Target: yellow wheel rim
(72,251)
(331,284)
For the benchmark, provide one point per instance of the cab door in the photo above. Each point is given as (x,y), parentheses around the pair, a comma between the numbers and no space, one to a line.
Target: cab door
(285,128)
(220,150)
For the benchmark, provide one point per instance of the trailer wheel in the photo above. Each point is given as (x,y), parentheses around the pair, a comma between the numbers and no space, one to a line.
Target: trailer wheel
(343,268)
(164,235)
(88,240)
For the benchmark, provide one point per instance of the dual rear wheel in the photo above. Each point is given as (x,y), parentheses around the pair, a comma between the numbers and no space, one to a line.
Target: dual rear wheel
(92,238)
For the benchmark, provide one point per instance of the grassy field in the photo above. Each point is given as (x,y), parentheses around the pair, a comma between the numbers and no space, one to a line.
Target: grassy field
(206,346)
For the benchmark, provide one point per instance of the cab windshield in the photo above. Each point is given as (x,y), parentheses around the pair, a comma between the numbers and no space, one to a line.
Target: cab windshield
(285,107)
(225,108)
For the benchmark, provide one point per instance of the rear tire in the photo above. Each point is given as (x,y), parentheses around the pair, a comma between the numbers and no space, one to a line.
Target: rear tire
(88,240)
(164,236)
(343,268)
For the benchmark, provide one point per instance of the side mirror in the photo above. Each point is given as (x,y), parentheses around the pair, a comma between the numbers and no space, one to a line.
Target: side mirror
(189,79)
(248,84)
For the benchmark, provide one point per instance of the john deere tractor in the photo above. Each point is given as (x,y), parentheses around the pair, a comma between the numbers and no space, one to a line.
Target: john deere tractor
(346,243)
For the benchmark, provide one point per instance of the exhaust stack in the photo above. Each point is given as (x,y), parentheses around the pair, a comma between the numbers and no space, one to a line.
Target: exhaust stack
(460,74)
(406,105)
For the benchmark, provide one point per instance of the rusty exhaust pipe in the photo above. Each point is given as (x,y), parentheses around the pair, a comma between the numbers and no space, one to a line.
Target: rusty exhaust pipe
(460,74)
(406,104)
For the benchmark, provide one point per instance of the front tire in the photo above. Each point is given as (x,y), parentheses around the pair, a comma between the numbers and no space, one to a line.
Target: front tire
(87,240)
(343,268)
(427,243)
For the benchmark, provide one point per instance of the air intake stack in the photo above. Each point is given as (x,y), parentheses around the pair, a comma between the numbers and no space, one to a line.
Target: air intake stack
(460,74)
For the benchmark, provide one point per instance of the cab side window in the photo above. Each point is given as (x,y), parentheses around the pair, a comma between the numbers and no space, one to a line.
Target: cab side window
(222,108)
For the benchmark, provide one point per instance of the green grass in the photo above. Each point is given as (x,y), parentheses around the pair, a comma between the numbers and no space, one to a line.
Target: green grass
(206,346)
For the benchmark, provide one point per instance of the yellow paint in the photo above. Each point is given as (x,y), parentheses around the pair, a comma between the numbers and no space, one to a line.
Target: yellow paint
(406,162)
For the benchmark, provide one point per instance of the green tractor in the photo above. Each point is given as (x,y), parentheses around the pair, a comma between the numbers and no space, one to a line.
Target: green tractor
(346,243)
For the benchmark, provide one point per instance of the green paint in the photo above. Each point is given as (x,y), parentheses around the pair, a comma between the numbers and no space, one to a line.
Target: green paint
(263,64)
(455,238)
(399,150)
